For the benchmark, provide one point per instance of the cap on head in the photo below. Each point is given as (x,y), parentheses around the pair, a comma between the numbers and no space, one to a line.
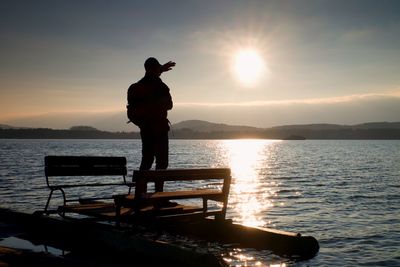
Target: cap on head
(151,63)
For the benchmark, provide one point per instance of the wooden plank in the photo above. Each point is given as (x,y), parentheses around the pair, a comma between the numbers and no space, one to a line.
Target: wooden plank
(84,165)
(201,193)
(88,206)
(84,170)
(130,200)
(55,187)
(163,211)
(95,209)
(101,209)
(182,174)
(166,195)
(84,160)
(189,216)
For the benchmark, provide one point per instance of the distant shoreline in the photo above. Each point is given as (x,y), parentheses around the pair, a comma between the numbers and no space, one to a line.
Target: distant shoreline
(197,129)
(299,134)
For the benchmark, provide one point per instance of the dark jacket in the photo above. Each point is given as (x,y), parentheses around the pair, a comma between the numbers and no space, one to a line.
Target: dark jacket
(151,99)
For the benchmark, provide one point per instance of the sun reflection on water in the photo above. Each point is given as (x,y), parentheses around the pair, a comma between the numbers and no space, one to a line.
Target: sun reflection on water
(250,196)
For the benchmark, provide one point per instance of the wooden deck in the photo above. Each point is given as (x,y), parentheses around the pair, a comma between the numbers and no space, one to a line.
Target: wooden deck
(89,234)
(142,197)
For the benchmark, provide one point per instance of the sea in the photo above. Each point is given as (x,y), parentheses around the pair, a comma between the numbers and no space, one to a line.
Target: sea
(345,193)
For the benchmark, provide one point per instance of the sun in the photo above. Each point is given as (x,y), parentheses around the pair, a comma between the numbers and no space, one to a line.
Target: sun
(248,66)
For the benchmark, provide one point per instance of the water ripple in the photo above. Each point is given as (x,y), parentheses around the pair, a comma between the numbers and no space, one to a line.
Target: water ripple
(345,193)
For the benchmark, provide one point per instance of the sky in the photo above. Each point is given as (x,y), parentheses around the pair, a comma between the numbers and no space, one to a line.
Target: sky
(66,63)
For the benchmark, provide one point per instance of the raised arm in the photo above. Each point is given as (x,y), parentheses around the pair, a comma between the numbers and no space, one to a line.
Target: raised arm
(167,66)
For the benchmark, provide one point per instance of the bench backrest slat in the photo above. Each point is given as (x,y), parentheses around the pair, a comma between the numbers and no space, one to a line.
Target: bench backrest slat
(84,165)
(182,174)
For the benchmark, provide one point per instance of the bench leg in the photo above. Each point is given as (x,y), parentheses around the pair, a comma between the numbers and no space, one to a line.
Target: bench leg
(220,217)
(117,215)
(223,211)
(205,206)
(48,201)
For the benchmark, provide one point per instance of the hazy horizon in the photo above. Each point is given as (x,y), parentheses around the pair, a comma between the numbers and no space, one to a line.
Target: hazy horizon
(70,63)
(116,121)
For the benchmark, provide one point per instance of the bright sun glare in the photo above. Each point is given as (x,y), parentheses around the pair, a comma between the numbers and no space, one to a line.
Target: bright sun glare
(248,67)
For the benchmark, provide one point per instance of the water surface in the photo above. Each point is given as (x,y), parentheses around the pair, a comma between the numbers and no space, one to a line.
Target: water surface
(344,193)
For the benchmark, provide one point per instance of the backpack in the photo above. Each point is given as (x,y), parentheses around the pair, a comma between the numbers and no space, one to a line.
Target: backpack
(135,113)
(132,115)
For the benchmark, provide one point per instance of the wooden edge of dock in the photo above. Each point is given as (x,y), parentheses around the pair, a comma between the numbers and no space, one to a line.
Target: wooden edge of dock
(99,243)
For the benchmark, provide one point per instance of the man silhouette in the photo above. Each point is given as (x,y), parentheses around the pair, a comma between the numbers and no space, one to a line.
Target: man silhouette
(151,99)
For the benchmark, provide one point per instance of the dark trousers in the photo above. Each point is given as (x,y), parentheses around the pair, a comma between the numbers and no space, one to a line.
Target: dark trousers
(154,147)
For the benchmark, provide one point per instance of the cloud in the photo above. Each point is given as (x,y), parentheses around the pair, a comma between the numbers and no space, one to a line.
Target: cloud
(310,101)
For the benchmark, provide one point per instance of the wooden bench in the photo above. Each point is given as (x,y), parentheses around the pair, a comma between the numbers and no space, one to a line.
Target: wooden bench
(145,203)
(89,171)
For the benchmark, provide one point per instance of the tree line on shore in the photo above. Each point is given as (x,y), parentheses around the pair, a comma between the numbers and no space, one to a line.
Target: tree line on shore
(220,131)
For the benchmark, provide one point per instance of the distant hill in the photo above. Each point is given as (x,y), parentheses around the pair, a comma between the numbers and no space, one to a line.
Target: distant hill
(373,130)
(83,128)
(197,129)
(80,132)
(320,126)
(205,126)
(326,126)
(5,126)
(378,125)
